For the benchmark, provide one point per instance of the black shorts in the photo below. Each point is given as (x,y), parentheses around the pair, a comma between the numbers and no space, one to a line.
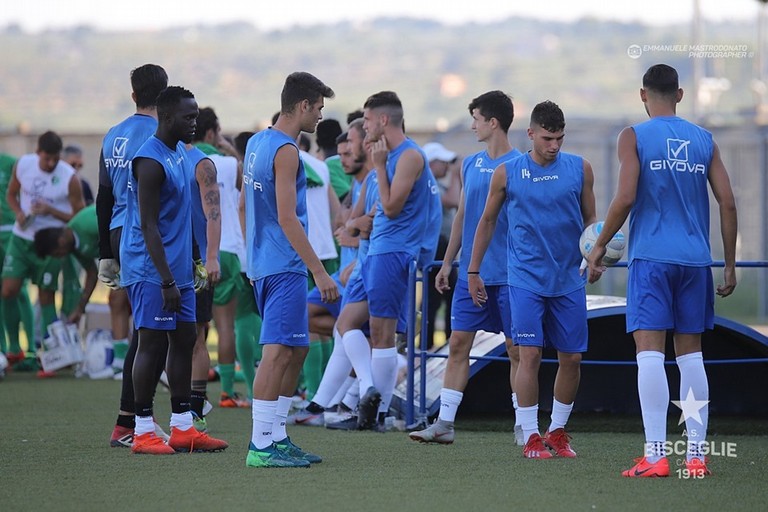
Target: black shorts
(204,305)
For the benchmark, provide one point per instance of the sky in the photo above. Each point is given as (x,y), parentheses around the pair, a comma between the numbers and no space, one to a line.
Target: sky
(36,15)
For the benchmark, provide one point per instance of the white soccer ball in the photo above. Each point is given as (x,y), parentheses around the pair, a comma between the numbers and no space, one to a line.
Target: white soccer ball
(614,250)
(3,365)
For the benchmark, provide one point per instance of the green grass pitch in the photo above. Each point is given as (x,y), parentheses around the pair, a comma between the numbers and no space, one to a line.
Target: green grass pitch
(55,456)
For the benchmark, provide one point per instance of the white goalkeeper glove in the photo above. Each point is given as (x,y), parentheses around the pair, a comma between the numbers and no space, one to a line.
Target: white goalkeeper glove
(109,273)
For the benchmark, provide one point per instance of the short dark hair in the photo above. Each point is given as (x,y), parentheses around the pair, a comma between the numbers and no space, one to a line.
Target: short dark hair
(388,101)
(495,104)
(49,143)
(355,114)
(326,132)
(662,79)
(46,241)
(305,143)
(147,81)
(300,86)
(206,120)
(549,116)
(170,97)
(341,138)
(241,141)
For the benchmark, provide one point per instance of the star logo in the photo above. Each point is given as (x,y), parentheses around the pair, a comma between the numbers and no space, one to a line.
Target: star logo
(691,407)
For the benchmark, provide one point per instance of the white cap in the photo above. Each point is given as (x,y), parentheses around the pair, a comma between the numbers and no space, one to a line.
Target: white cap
(436,151)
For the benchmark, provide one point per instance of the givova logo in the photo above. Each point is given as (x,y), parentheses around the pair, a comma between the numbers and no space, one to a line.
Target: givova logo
(677,159)
(480,164)
(119,152)
(119,147)
(248,175)
(677,150)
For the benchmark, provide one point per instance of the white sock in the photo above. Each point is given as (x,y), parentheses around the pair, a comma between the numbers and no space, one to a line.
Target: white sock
(693,377)
(560,414)
(336,371)
(384,372)
(450,399)
(182,421)
(359,353)
(342,391)
(529,420)
(263,413)
(653,389)
(514,406)
(352,397)
(144,425)
(281,413)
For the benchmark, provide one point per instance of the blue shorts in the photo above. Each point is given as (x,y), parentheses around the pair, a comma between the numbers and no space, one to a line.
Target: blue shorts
(663,296)
(556,322)
(334,308)
(147,303)
(354,292)
(493,316)
(385,277)
(282,303)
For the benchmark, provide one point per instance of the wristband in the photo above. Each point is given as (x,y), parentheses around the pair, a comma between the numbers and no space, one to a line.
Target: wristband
(168,284)
(473,273)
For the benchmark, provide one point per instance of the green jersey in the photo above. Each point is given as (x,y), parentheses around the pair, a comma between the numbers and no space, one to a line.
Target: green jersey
(7,217)
(86,228)
(340,181)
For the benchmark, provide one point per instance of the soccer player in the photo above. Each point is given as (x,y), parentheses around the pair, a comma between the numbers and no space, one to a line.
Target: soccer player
(279,255)
(492,114)
(206,231)
(80,240)
(117,151)
(247,319)
(548,199)
(157,272)
(71,290)
(228,162)
(43,192)
(399,227)
(13,349)
(665,165)
(322,210)
(356,163)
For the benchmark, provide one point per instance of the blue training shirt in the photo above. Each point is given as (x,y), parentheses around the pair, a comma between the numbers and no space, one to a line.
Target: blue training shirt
(545,224)
(669,221)
(476,172)
(118,149)
(371,199)
(174,220)
(405,232)
(269,251)
(434,223)
(348,254)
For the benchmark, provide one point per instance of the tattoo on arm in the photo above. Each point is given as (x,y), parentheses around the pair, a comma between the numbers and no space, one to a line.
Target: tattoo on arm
(212,200)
